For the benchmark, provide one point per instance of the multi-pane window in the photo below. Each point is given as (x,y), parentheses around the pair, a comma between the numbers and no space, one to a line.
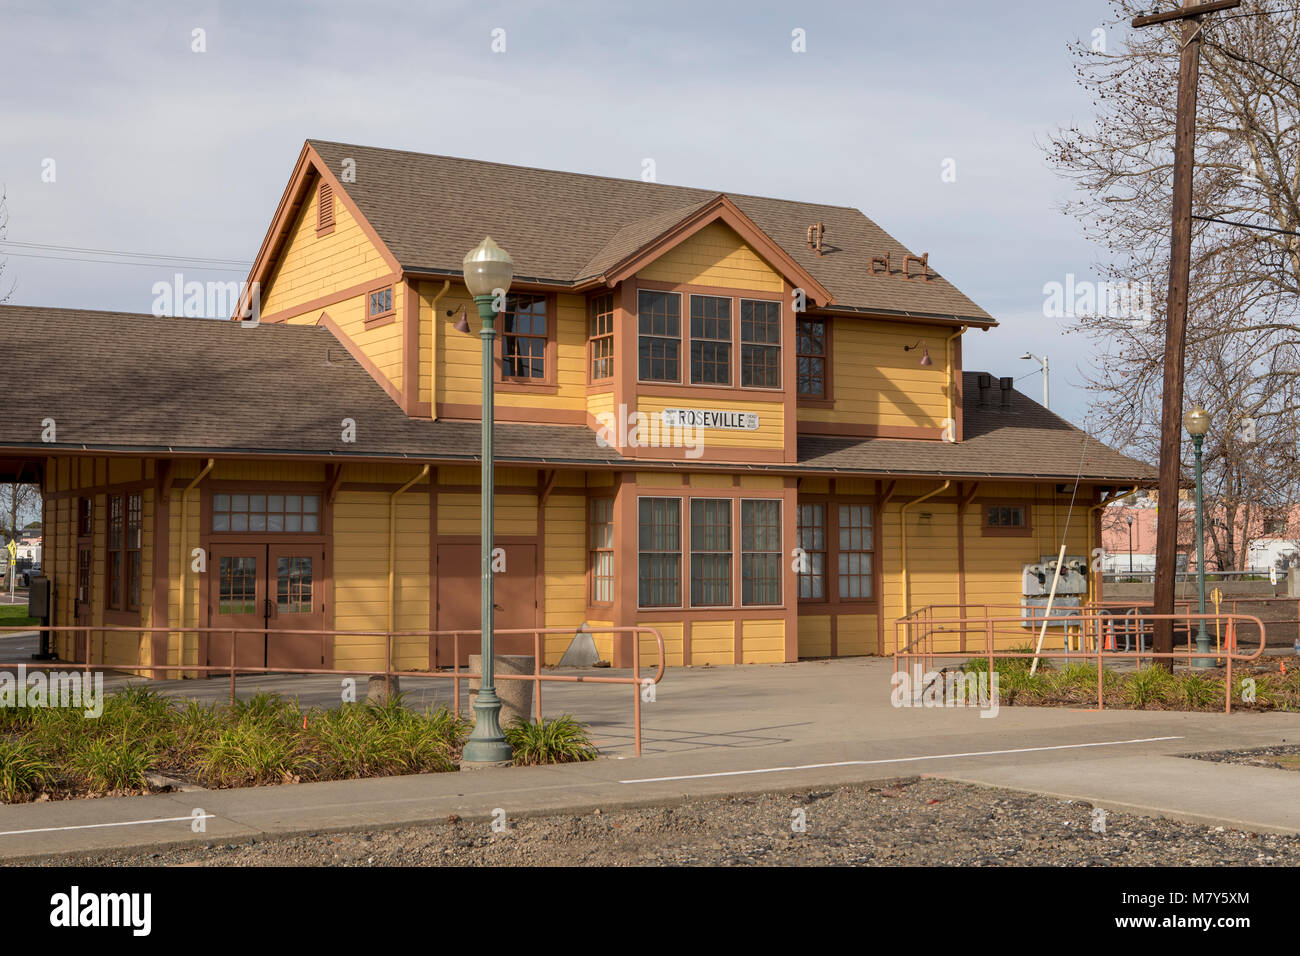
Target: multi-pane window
(760,344)
(85,526)
(1004,517)
(812,541)
(124,555)
(380,303)
(760,551)
(600,546)
(601,337)
(710,552)
(710,340)
(523,337)
(280,513)
(659,336)
(659,552)
(293,578)
(237,585)
(810,358)
(855,541)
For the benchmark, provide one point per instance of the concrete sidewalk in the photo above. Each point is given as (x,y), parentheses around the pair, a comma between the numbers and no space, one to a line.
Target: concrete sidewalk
(735,730)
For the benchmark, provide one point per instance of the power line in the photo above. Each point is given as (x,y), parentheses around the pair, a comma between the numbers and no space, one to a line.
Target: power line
(1246,225)
(116,252)
(123,262)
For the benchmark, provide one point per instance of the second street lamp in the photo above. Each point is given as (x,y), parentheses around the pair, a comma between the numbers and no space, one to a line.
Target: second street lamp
(1197,423)
(488,271)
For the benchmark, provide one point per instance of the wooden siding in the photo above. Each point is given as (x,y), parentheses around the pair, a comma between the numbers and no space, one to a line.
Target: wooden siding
(714,256)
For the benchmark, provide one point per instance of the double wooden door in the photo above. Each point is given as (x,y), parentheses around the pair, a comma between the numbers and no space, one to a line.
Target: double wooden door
(263,594)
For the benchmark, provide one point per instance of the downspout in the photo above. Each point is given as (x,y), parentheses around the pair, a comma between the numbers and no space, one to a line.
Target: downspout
(392,545)
(902,535)
(433,351)
(952,383)
(185,546)
(1093,515)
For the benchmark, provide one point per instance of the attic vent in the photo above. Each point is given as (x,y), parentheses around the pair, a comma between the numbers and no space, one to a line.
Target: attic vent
(325,209)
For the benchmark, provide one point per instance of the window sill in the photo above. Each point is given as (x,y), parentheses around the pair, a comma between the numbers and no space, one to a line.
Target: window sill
(816,402)
(1007,532)
(121,618)
(380,321)
(514,385)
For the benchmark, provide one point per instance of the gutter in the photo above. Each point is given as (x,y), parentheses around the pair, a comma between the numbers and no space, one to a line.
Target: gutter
(433,352)
(952,383)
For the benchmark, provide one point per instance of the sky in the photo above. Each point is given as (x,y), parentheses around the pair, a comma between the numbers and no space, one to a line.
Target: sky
(161,148)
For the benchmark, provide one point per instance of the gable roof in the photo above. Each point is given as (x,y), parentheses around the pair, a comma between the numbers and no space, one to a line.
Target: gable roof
(563,228)
(128,383)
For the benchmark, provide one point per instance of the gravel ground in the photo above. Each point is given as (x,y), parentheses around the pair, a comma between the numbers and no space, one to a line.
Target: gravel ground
(1282,757)
(917,822)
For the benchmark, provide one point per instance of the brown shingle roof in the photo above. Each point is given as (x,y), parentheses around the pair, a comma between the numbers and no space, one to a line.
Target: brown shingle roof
(1025,440)
(562,227)
(126,382)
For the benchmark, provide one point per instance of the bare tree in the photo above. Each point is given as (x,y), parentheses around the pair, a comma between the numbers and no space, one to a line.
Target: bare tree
(1243,340)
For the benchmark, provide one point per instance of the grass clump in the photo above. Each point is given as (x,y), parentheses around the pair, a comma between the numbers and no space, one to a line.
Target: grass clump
(23,770)
(559,740)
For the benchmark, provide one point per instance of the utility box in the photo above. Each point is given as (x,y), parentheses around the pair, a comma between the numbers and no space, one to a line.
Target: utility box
(38,598)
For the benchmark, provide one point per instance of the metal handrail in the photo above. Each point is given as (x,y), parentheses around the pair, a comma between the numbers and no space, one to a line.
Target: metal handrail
(455,675)
(923,647)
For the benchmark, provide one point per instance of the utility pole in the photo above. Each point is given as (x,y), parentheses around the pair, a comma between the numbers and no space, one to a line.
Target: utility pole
(1180,268)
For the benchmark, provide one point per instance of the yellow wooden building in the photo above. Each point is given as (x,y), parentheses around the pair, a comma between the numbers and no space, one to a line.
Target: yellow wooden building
(744,421)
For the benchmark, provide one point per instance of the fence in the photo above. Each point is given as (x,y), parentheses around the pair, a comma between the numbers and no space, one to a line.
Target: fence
(917,637)
(454,674)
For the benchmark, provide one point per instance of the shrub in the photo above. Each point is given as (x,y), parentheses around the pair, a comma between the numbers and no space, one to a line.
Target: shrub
(560,740)
(23,770)
(1198,692)
(1148,686)
(113,763)
(250,753)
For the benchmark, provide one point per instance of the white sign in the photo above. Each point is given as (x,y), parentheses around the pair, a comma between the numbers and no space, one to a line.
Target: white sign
(706,418)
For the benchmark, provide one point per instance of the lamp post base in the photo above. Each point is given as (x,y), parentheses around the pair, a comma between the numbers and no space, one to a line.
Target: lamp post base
(1203,647)
(487,745)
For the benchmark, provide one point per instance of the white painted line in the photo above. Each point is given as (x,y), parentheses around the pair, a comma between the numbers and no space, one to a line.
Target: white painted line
(865,763)
(124,823)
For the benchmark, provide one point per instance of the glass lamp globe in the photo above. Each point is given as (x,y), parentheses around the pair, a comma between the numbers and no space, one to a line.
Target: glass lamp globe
(488,267)
(1197,421)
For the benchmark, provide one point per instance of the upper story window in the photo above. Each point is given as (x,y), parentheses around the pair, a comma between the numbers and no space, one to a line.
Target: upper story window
(523,325)
(379,304)
(601,337)
(659,343)
(710,340)
(324,209)
(1275,525)
(760,343)
(810,358)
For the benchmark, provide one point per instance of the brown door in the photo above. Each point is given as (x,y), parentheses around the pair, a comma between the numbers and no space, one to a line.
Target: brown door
(83,615)
(237,601)
(297,604)
(514,597)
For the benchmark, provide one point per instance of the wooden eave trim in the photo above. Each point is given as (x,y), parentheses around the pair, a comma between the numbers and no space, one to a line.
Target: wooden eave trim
(725,210)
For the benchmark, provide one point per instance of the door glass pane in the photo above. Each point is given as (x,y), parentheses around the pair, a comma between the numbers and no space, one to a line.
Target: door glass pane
(237,581)
(293,585)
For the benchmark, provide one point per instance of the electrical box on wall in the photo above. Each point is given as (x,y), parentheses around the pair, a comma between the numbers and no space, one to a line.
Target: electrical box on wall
(1036,579)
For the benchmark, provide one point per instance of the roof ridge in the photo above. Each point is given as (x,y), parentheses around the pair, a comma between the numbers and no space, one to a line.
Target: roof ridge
(566,172)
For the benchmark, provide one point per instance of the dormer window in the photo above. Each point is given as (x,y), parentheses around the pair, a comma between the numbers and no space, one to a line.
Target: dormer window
(324,209)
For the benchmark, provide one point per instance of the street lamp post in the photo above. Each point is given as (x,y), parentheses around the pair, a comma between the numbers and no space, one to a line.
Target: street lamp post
(1197,423)
(1130,544)
(1042,360)
(488,271)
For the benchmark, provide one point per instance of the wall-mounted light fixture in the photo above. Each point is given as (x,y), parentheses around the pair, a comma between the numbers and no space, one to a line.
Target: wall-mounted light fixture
(926,361)
(462,323)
